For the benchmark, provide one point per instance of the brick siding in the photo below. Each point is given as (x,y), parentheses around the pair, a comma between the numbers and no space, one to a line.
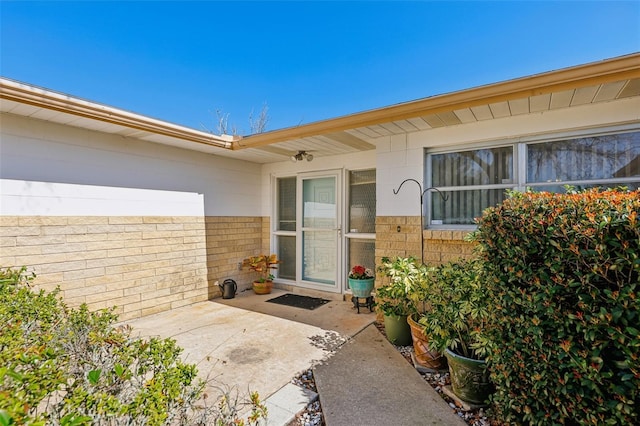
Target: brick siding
(229,241)
(142,265)
(439,246)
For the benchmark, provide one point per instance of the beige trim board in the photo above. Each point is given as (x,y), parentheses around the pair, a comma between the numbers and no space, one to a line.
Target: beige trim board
(30,95)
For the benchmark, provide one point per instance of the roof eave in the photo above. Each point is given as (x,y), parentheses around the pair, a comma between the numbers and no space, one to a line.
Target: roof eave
(623,67)
(42,98)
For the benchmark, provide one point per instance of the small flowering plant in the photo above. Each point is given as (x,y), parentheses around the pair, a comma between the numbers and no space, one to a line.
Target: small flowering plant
(359,272)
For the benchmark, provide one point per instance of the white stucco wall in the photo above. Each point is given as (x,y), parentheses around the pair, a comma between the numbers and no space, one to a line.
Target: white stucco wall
(51,169)
(402,157)
(356,161)
(101,174)
(29,198)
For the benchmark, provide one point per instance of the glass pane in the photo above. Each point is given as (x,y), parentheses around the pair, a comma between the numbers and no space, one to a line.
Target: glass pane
(286,204)
(319,203)
(362,252)
(287,255)
(362,201)
(599,157)
(461,207)
(319,256)
(479,167)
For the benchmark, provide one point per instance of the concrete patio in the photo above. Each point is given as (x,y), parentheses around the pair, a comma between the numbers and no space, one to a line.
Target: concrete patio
(248,344)
(251,345)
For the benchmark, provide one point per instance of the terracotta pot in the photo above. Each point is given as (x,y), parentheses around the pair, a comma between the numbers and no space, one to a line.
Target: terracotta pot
(423,356)
(262,287)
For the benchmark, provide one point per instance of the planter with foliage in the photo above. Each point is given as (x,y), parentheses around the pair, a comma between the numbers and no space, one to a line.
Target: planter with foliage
(423,356)
(262,287)
(469,378)
(361,281)
(263,264)
(397,329)
(393,298)
(422,286)
(454,323)
(410,284)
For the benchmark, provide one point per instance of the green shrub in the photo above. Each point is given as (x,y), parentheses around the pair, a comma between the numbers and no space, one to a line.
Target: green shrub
(74,367)
(565,312)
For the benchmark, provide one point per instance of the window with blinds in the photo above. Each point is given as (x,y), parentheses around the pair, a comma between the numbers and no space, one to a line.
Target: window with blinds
(608,160)
(468,182)
(465,182)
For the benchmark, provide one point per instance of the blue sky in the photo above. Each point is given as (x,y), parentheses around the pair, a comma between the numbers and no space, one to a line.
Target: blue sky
(308,61)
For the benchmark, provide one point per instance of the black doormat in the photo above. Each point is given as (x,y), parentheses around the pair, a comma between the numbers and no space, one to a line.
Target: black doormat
(304,302)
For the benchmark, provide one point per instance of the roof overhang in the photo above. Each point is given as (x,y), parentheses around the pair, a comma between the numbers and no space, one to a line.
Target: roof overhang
(32,99)
(601,81)
(624,69)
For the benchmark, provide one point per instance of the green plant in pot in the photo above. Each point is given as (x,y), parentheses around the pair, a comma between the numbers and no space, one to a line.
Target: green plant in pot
(392,298)
(458,309)
(423,356)
(263,264)
(361,281)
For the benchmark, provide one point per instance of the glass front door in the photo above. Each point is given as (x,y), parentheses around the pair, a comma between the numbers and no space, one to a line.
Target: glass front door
(319,238)
(320,231)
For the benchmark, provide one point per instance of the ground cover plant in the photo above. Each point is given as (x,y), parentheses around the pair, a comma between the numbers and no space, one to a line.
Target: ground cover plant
(565,314)
(64,366)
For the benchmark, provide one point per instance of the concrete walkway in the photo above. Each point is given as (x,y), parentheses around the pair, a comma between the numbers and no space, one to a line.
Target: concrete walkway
(368,382)
(248,344)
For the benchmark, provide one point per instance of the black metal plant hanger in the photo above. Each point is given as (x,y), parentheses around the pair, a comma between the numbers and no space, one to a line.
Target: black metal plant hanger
(444,198)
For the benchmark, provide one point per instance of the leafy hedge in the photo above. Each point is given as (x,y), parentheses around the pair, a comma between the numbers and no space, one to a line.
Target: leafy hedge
(565,318)
(74,367)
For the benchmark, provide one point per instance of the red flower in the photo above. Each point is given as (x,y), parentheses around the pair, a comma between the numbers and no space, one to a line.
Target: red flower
(359,272)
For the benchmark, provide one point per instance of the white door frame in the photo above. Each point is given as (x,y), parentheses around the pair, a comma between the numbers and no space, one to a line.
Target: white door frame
(333,283)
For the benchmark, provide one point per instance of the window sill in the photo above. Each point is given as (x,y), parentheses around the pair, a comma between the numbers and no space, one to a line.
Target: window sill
(442,234)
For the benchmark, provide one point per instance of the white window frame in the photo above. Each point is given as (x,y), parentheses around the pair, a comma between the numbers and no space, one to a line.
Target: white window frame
(348,236)
(275,232)
(519,164)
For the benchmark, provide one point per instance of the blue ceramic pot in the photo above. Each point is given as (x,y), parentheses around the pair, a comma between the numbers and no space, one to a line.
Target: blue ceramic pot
(361,288)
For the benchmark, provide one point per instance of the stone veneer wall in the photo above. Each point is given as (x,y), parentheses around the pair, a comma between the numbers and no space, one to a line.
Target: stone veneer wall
(439,245)
(444,246)
(230,240)
(142,265)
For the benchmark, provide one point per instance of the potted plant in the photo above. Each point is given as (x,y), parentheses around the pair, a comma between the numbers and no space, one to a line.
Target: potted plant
(393,298)
(423,356)
(454,323)
(361,281)
(263,264)
(416,279)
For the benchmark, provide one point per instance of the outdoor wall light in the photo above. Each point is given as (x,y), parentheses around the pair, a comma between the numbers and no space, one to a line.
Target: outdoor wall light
(301,155)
